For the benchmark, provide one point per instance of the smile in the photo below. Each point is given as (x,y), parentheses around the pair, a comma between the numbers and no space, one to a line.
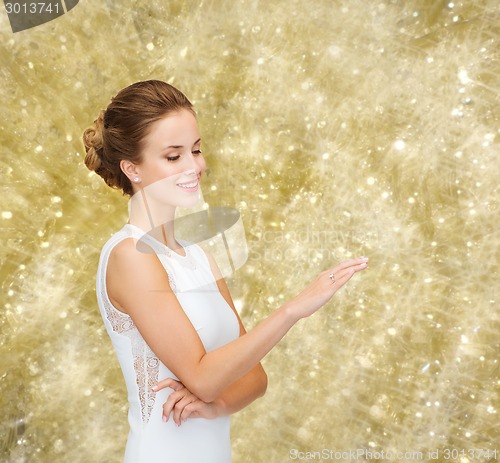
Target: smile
(189,186)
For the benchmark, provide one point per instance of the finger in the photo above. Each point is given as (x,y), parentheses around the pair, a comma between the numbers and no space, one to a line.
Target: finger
(168,406)
(357,268)
(168,382)
(340,269)
(360,263)
(180,406)
(344,277)
(188,410)
(333,278)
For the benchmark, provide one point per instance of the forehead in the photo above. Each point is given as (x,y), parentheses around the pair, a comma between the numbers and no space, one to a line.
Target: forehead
(176,129)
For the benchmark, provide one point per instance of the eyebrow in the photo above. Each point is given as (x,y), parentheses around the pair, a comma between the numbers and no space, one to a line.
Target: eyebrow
(179,146)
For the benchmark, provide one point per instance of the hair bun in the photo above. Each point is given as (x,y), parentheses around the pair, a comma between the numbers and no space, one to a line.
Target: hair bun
(93,142)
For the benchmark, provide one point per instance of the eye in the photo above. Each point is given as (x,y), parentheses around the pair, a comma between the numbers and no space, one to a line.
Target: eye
(173,158)
(197,152)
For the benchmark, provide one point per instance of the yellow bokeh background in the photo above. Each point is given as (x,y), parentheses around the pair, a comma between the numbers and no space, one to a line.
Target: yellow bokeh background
(336,129)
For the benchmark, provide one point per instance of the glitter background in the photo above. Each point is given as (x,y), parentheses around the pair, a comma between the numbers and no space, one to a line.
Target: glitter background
(336,128)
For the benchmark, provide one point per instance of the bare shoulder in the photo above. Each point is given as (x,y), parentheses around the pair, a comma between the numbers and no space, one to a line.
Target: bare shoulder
(124,245)
(127,254)
(132,270)
(122,255)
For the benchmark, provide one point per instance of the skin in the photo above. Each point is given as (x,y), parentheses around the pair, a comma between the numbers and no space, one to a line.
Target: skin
(227,379)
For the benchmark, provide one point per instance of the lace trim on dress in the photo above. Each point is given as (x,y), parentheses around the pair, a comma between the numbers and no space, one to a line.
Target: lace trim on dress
(146,363)
(171,281)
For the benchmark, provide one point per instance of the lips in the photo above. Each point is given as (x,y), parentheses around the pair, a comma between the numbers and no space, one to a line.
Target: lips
(189,186)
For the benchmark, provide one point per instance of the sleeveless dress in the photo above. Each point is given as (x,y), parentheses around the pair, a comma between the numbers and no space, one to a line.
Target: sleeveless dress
(151,440)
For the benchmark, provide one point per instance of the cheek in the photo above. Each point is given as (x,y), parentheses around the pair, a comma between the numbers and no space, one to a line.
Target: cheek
(166,170)
(161,186)
(162,176)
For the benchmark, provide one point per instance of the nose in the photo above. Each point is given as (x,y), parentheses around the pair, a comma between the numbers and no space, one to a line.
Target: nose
(197,165)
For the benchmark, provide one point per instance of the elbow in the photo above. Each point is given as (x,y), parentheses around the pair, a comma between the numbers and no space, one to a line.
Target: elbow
(264,384)
(205,391)
(207,396)
(208,393)
(261,383)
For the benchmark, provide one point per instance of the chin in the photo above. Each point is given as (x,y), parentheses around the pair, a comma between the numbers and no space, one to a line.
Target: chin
(188,201)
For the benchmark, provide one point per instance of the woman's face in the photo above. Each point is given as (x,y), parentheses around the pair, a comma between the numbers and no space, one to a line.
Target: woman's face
(172,162)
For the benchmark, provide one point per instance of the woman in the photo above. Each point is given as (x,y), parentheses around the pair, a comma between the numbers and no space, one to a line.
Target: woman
(163,300)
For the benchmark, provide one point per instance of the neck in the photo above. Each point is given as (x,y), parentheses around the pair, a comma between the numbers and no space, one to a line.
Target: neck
(155,219)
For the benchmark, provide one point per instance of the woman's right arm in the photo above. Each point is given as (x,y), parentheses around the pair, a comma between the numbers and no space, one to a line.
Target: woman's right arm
(142,289)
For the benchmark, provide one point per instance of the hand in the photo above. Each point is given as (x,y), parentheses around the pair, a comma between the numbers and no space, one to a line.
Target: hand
(183,404)
(321,290)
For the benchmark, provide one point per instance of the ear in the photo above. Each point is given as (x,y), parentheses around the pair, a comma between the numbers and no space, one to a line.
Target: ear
(129,169)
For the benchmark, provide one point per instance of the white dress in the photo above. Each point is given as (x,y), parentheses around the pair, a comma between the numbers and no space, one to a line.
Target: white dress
(151,440)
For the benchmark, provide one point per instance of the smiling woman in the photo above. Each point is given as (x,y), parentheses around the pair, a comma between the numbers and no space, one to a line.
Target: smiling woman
(164,172)
(186,357)
(119,132)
